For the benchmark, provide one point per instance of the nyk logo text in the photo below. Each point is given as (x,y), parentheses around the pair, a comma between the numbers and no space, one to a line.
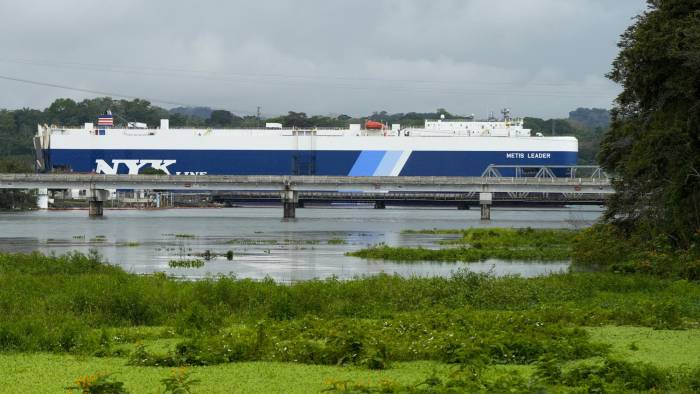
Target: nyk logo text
(134,166)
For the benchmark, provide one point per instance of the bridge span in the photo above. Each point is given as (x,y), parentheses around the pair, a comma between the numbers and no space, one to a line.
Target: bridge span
(545,183)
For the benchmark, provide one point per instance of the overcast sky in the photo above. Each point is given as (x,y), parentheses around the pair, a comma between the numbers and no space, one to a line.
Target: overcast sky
(538,57)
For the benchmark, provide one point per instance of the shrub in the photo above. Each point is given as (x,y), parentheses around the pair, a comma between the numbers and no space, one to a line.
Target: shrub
(98,384)
(179,382)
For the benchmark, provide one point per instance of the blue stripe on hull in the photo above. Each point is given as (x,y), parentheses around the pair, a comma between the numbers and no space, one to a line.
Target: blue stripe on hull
(365,163)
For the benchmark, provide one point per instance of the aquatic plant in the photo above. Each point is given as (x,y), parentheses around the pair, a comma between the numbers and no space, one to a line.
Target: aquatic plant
(191,263)
(481,244)
(129,244)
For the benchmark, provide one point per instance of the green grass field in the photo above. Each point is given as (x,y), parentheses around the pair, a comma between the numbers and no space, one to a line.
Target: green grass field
(673,350)
(50,373)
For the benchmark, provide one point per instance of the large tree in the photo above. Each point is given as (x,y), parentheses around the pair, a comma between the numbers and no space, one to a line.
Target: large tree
(653,146)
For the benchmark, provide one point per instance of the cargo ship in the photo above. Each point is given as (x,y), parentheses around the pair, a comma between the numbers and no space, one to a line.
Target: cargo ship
(442,147)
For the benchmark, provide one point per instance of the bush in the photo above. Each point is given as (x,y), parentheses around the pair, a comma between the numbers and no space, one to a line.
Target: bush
(97,384)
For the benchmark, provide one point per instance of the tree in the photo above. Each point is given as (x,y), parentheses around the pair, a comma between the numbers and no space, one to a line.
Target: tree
(222,118)
(653,146)
(591,117)
(296,119)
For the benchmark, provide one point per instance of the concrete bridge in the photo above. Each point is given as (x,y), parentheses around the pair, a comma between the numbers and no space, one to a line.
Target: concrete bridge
(289,187)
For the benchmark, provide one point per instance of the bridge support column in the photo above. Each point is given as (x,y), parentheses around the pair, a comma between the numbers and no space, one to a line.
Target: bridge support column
(485,200)
(290,199)
(42,198)
(96,200)
(95,208)
(379,204)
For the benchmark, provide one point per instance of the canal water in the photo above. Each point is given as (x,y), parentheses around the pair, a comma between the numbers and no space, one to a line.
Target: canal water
(263,245)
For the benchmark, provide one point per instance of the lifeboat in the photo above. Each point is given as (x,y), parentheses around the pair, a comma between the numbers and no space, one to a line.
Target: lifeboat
(373,125)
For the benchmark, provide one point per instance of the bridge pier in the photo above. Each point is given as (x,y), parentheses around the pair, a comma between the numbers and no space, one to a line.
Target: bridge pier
(42,198)
(96,199)
(485,200)
(95,208)
(379,204)
(290,199)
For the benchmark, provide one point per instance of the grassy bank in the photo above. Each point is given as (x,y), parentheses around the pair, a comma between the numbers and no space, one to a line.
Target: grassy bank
(480,244)
(77,306)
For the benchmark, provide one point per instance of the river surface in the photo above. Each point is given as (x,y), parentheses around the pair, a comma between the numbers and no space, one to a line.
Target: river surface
(144,241)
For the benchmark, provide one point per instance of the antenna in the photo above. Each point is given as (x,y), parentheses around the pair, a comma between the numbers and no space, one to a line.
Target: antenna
(257,113)
(506,114)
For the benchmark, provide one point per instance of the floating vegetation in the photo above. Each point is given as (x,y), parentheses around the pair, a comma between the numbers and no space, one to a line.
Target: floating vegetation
(336,241)
(301,242)
(435,231)
(129,244)
(185,236)
(482,244)
(243,241)
(189,263)
(229,255)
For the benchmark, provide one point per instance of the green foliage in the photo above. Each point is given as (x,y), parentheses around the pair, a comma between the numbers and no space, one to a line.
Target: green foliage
(481,244)
(653,145)
(64,304)
(179,382)
(588,136)
(191,263)
(152,171)
(223,118)
(605,246)
(462,337)
(591,117)
(97,384)
(623,375)
(184,236)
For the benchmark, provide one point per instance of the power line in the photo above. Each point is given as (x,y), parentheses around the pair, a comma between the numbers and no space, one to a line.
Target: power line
(409,89)
(99,92)
(163,71)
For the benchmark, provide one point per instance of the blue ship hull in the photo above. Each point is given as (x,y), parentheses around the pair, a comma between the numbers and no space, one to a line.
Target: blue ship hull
(294,162)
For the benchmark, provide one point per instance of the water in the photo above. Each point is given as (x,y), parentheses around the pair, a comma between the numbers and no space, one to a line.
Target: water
(264,245)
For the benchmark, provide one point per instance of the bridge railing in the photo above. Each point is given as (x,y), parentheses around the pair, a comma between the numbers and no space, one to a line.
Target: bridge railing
(587,172)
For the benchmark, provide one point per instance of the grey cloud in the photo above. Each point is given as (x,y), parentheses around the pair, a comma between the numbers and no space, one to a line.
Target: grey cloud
(540,57)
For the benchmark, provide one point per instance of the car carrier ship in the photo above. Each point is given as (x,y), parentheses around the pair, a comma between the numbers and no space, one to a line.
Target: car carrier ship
(454,147)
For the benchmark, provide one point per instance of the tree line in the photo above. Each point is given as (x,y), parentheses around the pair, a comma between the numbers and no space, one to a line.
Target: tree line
(17,127)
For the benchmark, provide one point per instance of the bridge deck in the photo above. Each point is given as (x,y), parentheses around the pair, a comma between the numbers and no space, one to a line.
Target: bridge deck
(308,183)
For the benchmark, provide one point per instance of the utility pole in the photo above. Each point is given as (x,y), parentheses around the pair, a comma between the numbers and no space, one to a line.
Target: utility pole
(257,115)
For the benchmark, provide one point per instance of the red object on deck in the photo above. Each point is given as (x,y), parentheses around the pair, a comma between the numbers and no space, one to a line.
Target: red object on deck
(372,125)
